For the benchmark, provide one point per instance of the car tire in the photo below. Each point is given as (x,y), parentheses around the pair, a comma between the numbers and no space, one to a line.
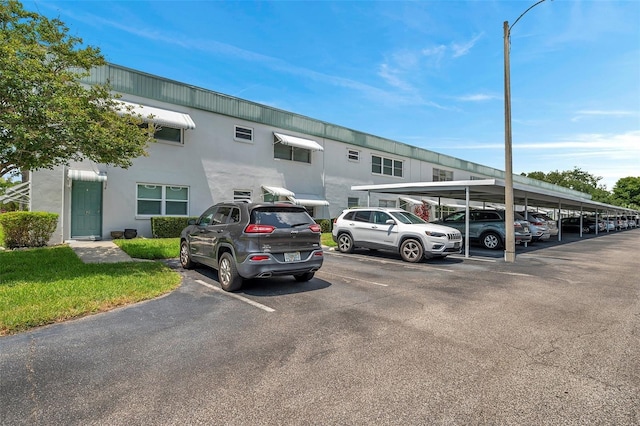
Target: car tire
(304,277)
(345,243)
(586,229)
(228,275)
(491,241)
(185,257)
(411,250)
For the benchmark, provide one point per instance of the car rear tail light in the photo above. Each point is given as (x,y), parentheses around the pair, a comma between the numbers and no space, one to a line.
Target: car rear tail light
(259,229)
(517,224)
(318,253)
(315,227)
(537,223)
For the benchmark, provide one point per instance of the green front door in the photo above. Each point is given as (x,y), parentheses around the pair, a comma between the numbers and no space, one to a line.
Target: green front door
(86,209)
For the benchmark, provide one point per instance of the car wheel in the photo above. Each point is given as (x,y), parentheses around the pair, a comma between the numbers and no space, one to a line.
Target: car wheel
(228,273)
(586,230)
(304,277)
(185,257)
(411,250)
(345,243)
(491,240)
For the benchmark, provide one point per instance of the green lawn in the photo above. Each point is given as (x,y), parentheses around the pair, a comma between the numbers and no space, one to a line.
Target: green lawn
(47,285)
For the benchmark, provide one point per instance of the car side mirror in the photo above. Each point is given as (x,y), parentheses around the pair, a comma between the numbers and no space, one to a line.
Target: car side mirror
(390,222)
(191,222)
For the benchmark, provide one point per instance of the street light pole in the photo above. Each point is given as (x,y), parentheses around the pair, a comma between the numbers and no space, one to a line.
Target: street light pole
(510,237)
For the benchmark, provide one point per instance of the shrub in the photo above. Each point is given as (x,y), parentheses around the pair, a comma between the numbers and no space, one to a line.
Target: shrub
(325,224)
(28,229)
(168,227)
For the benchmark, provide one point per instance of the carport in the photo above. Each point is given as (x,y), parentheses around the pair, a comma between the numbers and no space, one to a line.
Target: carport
(533,194)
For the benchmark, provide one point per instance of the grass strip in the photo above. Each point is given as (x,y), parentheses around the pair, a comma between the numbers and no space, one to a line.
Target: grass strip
(150,248)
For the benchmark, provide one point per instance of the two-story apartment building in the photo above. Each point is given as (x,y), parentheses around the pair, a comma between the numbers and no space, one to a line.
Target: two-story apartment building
(213,147)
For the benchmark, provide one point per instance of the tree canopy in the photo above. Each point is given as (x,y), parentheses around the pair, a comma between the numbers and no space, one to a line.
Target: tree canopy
(47,116)
(626,191)
(575,179)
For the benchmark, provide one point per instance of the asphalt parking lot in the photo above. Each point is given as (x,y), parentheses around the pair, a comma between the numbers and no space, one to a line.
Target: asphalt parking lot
(552,339)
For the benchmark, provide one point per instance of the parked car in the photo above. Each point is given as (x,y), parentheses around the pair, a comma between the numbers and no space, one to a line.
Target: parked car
(538,226)
(609,224)
(589,224)
(619,222)
(487,227)
(551,223)
(247,240)
(395,230)
(632,221)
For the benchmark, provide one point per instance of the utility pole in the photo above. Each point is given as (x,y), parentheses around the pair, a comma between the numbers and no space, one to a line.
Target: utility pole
(510,237)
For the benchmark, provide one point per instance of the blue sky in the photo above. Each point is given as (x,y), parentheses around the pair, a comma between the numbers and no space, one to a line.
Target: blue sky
(426,73)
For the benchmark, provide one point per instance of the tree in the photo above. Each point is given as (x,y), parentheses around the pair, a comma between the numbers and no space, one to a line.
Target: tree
(47,117)
(575,179)
(626,192)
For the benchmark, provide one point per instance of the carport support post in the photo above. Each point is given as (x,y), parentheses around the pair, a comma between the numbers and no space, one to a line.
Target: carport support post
(510,237)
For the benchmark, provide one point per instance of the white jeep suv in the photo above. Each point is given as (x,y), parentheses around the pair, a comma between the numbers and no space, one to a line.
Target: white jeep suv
(395,230)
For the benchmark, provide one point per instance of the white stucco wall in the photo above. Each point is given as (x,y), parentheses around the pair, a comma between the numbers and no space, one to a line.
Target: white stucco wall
(212,164)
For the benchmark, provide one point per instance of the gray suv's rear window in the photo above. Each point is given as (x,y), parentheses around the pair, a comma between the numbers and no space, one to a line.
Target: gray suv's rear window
(281,217)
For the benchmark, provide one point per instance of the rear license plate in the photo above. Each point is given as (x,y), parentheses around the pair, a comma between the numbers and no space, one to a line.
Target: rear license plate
(292,257)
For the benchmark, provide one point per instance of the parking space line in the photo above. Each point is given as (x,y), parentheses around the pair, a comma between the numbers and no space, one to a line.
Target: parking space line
(354,279)
(236,296)
(516,274)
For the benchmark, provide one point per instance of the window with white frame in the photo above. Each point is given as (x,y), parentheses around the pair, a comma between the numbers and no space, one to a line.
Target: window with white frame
(241,195)
(387,203)
(292,153)
(353,202)
(386,166)
(243,134)
(476,178)
(442,175)
(162,200)
(353,155)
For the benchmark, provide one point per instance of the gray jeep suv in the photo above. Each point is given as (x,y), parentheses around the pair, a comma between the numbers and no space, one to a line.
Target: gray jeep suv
(247,240)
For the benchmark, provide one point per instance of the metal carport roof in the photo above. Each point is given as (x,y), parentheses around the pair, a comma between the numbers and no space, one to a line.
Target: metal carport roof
(492,190)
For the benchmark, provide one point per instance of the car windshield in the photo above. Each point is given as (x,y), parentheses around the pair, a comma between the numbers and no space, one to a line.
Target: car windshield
(406,217)
(281,217)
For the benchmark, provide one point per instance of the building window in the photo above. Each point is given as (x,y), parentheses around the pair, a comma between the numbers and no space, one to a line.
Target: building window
(239,195)
(162,200)
(353,202)
(442,211)
(386,166)
(166,134)
(476,178)
(292,153)
(387,203)
(442,175)
(243,134)
(353,155)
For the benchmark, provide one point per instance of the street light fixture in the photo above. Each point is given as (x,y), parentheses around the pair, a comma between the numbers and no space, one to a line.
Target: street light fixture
(510,237)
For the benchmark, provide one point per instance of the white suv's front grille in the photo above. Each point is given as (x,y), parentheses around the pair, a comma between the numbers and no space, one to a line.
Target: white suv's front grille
(454,236)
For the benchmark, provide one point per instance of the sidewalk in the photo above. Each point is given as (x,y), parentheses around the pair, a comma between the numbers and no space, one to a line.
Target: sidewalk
(104,251)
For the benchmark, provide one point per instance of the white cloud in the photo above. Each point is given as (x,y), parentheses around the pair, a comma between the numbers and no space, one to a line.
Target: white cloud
(603,113)
(463,49)
(478,97)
